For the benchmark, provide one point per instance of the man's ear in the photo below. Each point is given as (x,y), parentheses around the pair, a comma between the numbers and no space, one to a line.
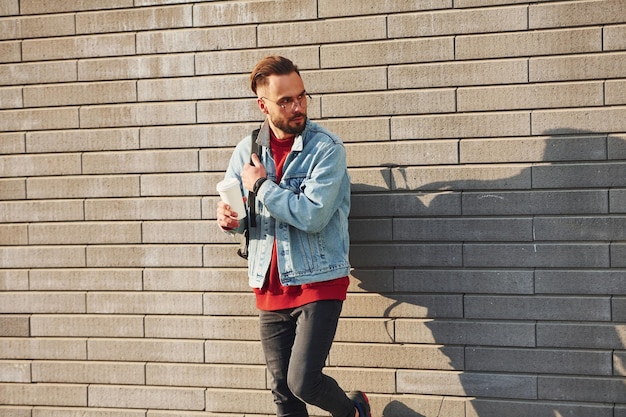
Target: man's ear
(262,105)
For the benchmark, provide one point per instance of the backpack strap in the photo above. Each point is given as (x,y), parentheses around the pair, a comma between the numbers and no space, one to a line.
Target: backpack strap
(254,149)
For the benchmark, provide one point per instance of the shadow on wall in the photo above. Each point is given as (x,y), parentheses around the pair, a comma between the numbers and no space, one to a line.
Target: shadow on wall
(510,278)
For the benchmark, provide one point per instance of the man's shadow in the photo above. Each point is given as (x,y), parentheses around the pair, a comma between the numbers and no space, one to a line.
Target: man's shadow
(462,263)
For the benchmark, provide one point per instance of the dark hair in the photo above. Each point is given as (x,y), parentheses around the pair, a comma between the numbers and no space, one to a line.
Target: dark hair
(270,65)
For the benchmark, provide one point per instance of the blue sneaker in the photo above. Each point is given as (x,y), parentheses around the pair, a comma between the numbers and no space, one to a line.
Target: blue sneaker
(361,403)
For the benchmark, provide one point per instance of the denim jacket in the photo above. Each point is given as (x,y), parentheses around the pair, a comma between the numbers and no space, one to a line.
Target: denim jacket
(307,212)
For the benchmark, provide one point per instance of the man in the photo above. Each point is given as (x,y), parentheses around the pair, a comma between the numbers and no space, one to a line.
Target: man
(298,254)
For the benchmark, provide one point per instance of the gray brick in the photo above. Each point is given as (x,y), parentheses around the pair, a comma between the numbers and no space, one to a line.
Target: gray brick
(55,6)
(580,228)
(365,230)
(404,305)
(12,189)
(366,330)
(529,43)
(618,309)
(413,255)
(536,202)
(497,408)
(14,371)
(233,62)
(399,405)
(229,352)
(82,140)
(465,383)
(111,68)
(471,177)
(151,350)
(536,255)
(144,256)
(614,38)
(134,19)
(322,31)
(453,74)
(39,119)
(14,325)
(460,125)
(345,80)
(48,394)
(14,280)
(200,39)
(206,376)
(399,51)
(585,120)
(581,335)
(195,279)
(38,72)
(87,326)
(580,282)
(458,21)
(138,302)
(616,147)
(195,327)
(464,281)
(229,304)
(43,348)
(92,279)
(10,51)
(472,230)
(330,8)
(576,14)
(69,187)
(359,130)
(84,233)
(77,94)
(453,332)
(253,13)
(576,67)
(371,280)
(427,152)
(107,396)
(137,114)
(615,92)
(617,201)
(598,175)
(177,208)
(538,307)
(378,355)
(618,255)
(539,361)
(78,47)
(608,390)
(11,98)
(186,88)
(423,101)
(39,165)
(42,256)
(89,372)
(13,234)
(405,204)
(12,143)
(530,96)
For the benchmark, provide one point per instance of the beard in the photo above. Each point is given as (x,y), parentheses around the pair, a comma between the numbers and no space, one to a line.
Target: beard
(289,126)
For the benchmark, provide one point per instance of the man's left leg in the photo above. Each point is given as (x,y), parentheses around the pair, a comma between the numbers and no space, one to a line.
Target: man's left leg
(316,327)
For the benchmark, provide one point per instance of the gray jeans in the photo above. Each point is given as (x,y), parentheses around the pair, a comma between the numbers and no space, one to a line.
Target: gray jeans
(296,343)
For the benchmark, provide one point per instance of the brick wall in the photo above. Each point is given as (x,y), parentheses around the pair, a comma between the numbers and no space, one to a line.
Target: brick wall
(487,150)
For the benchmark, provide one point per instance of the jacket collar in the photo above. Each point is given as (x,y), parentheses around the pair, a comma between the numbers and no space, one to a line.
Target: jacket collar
(264,136)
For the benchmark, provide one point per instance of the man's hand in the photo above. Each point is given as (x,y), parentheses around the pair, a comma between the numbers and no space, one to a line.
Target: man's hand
(251,173)
(226,218)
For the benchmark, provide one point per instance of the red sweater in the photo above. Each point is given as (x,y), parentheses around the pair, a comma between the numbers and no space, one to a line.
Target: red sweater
(274,295)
